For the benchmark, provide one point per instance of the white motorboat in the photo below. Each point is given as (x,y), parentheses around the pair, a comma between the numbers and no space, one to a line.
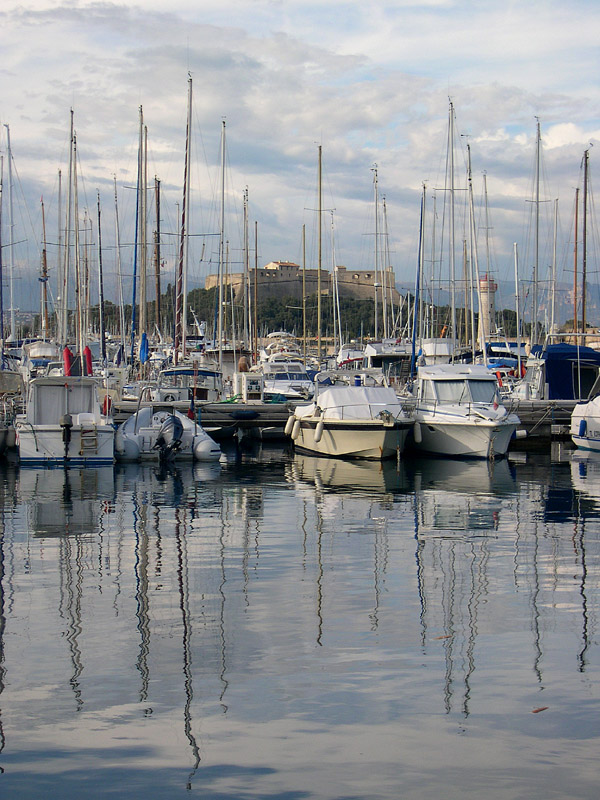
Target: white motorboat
(460,412)
(285,375)
(353,415)
(163,435)
(585,425)
(63,424)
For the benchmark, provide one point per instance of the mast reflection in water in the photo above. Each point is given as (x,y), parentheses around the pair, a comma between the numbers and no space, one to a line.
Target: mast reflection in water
(284,626)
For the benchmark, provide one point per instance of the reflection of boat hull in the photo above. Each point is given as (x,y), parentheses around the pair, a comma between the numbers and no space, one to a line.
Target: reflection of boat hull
(352,438)
(478,438)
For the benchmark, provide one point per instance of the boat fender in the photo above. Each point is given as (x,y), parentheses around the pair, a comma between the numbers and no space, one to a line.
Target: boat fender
(417,433)
(319,430)
(582,427)
(67,361)
(289,424)
(499,378)
(295,429)
(106,405)
(87,356)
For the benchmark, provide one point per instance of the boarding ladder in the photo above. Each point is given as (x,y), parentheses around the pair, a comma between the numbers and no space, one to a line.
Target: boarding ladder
(89,440)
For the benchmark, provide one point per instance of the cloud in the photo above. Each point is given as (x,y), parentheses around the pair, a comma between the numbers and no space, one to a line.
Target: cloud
(369,82)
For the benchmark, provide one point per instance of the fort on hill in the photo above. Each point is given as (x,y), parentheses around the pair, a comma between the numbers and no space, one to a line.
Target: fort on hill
(279,279)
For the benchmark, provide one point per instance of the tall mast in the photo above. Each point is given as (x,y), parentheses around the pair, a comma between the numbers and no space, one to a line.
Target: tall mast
(181,281)
(143,222)
(221,248)
(44,278)
(452,229)
(101,292)
(584,243)
(78,277)
(304,292)
(575,262)
(246,335)
(376,264)
(119,271)
(157,315)
(11,255)
(553,287)
(1,267)
(536,257)
(64,289)
(255,291)
(319,265)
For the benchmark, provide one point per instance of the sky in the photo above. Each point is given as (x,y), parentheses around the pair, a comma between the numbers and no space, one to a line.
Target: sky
(370,84)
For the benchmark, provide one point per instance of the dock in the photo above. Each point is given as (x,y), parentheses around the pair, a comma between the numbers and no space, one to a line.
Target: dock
(541,419)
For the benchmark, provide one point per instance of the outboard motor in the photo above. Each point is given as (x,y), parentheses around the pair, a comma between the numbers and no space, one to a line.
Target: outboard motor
(66,423)
(169,438)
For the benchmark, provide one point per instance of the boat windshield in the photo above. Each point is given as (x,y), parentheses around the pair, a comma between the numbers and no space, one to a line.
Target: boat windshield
(465,391)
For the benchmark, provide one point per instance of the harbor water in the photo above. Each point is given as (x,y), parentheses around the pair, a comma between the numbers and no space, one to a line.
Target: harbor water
(284,627)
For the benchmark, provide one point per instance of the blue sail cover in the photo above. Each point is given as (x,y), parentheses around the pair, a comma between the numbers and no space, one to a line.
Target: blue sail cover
(569,366)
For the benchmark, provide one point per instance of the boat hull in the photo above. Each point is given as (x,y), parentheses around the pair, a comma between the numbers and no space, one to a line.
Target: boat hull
(44,445)
(352,439)
(585,425)
(473,439)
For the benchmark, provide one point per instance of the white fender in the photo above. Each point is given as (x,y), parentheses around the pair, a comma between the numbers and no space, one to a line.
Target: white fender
(319,430)
(289,424)
(296,429)
(417,434)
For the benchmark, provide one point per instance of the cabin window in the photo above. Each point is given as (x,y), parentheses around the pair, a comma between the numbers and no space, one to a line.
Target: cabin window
(427,392)
(452,391)
(483,391)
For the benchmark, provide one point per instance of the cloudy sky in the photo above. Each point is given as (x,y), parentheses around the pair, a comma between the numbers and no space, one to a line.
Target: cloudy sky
(368,82)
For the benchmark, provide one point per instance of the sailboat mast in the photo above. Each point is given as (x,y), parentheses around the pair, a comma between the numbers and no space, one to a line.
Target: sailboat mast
(536,257)
(304,292)
(119,271)
(143,220)
(553,287)
(246,335)
(376,263)
(255,291)
(78,277)
(101,291)
(221,248)
(575,262)
(452,228)
(64,304)
(157,314)
(1,266)
(44,278)
(11,255)
(584,244)
(180,283)
(320,255)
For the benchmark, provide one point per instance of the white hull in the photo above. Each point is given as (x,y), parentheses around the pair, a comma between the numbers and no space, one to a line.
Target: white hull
(136,439)
(585,425)
(44,444)
(356,439)
(474,438)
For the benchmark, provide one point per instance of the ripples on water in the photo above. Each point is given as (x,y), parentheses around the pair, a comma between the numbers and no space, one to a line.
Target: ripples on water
(288,627)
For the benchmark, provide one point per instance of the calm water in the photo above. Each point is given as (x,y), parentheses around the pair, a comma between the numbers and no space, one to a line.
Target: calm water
(287,627)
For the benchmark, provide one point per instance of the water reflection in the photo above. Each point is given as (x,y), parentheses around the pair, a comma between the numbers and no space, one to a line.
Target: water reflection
(217,628)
